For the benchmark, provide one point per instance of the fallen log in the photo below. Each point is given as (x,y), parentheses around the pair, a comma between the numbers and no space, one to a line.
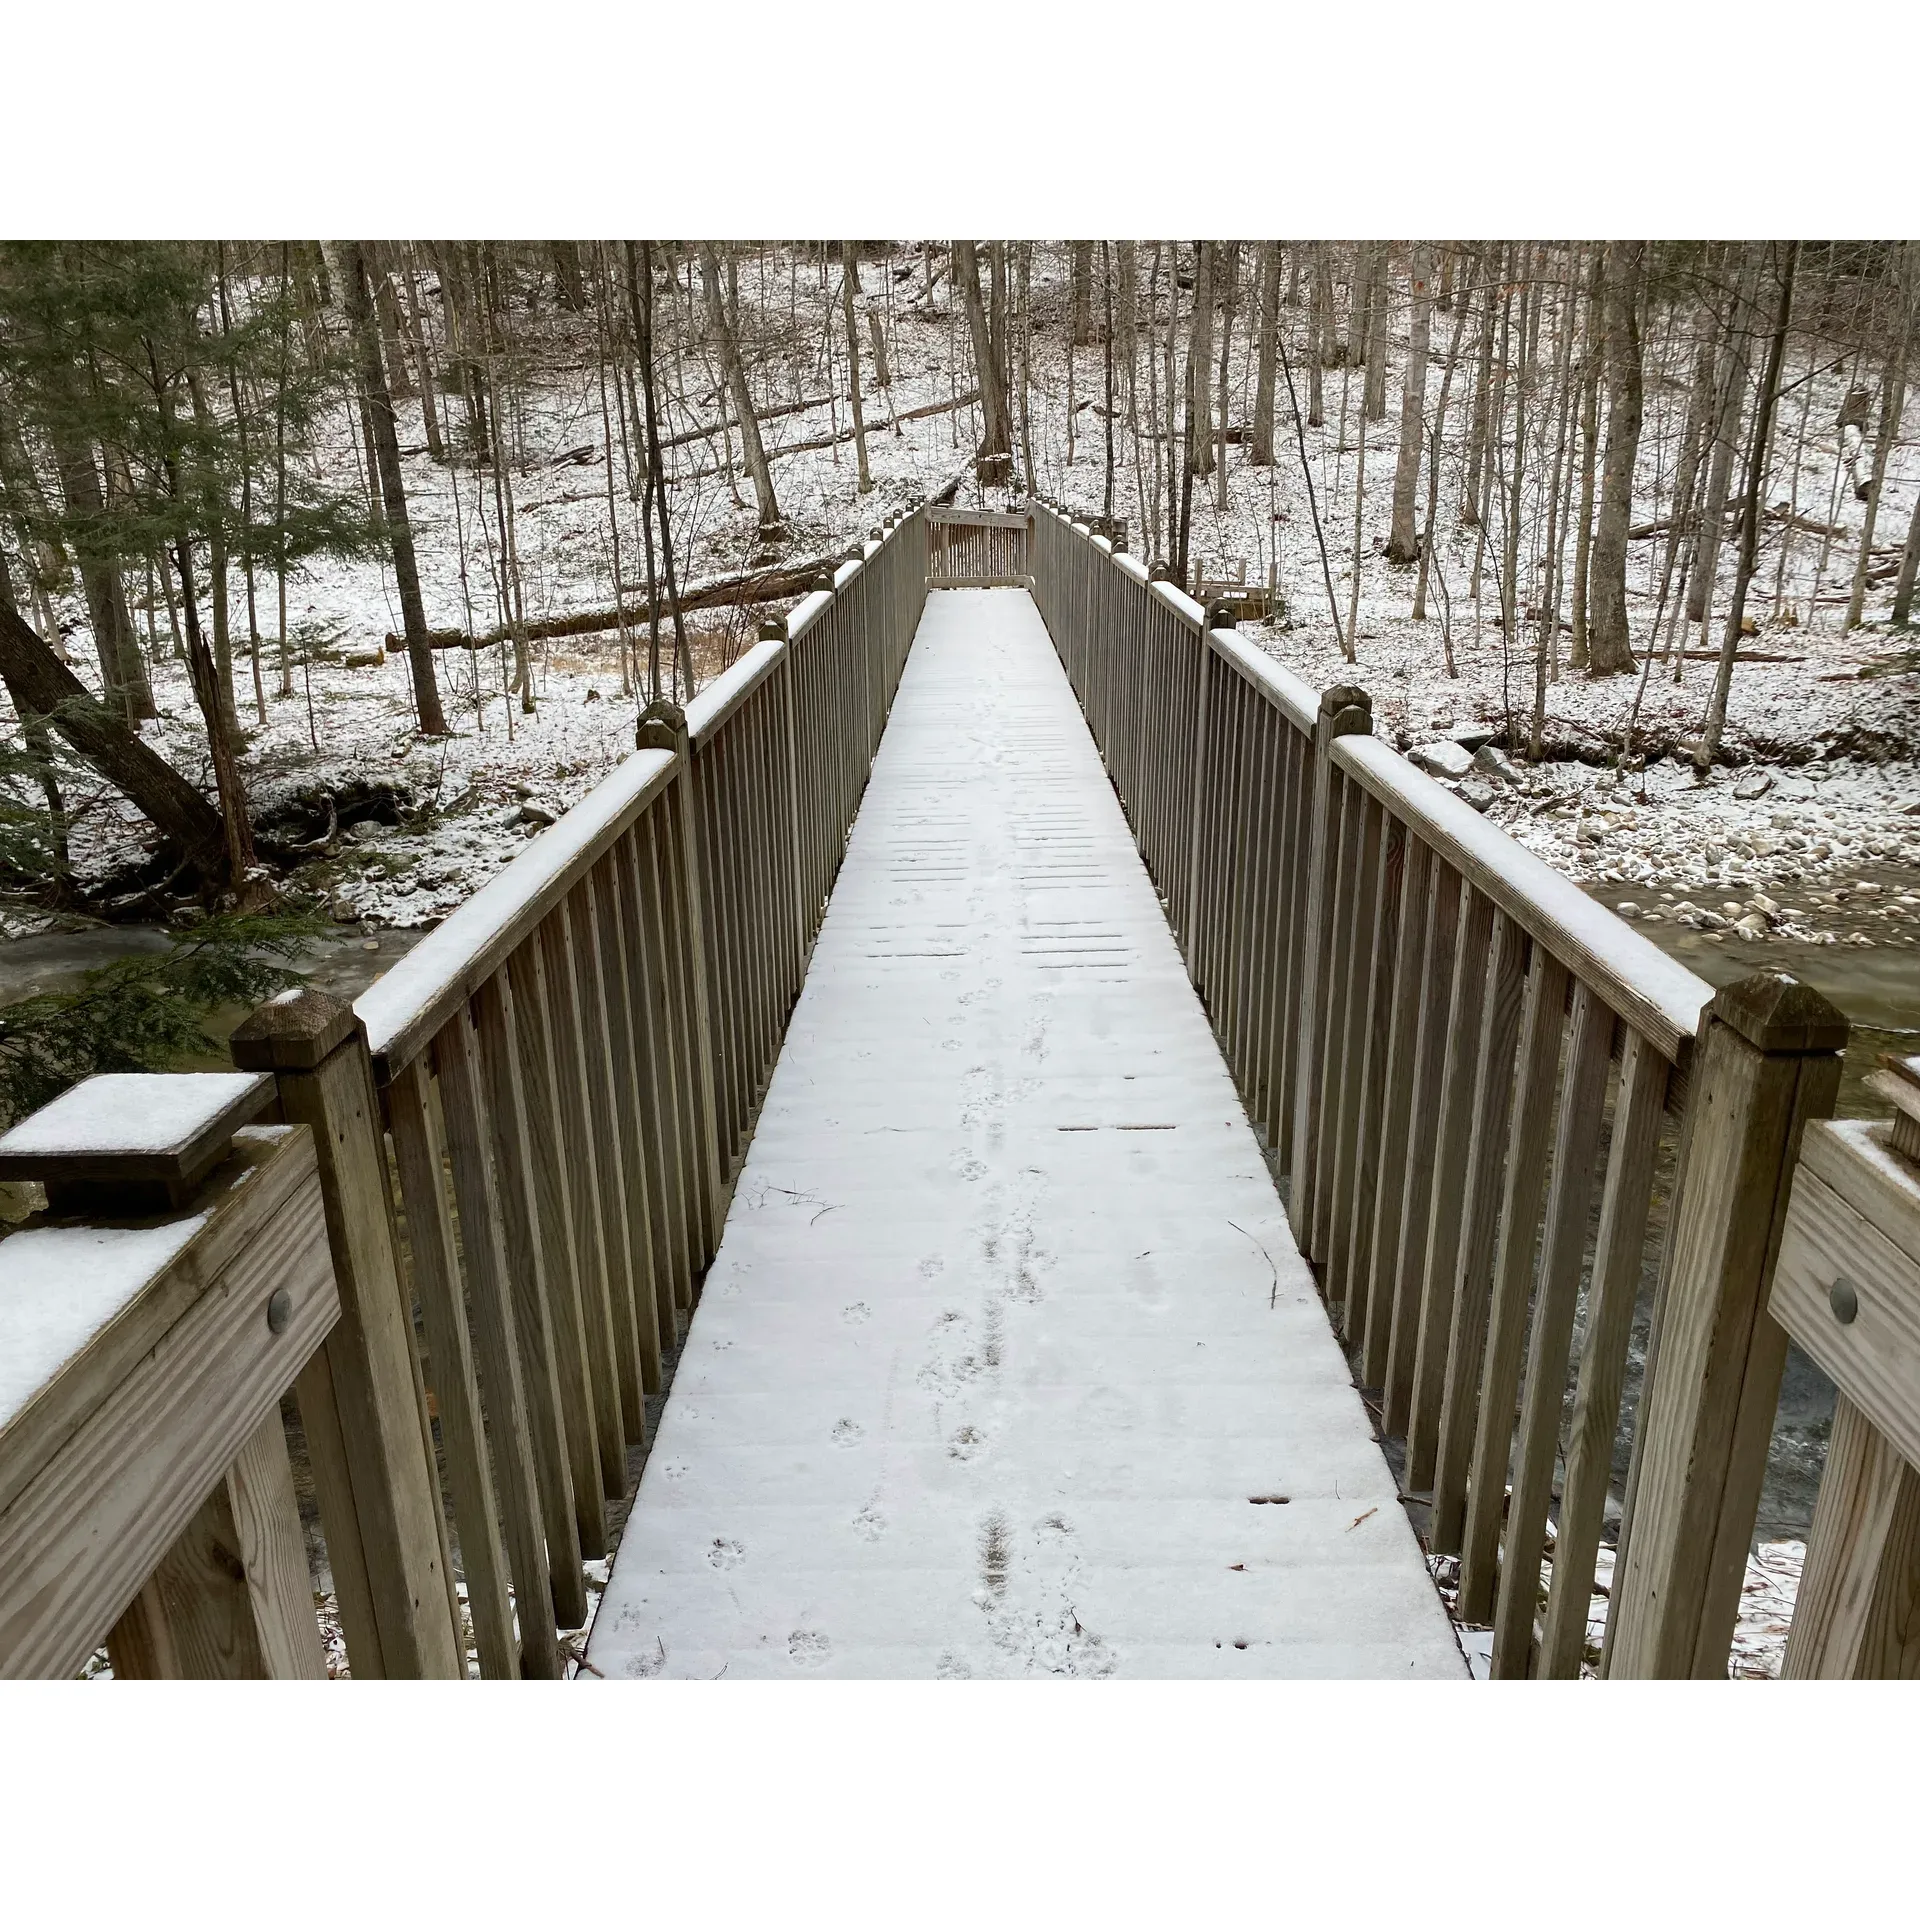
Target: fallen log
(740,590)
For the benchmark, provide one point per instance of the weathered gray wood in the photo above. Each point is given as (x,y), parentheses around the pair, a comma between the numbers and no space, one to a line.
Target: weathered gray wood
(1857,1614)
(1398,1099)
(1343,710)
(436,1280)
(1651,992)
(1454,1132)
(463,1104)
(1855,1218)
(234,1585)
(546,1336)
(140,1643)
(641,1370)
(84,1534)
(1638,1107)
(1491,1129)
(317,1050)
(1766,1064)
(1576,1144)
(1489,1393)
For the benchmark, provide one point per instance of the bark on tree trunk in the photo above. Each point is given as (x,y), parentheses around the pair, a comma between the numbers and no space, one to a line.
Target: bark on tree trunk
(1200,365)
(1082,288)
(1731,401)
(1379,305)
(993,464)
(1262,450)
(36,675)
(1750,519)
(1893,398)
(123,673)
(1403,544)
(848,270)
(772,528)
(386,449)
(1608,647)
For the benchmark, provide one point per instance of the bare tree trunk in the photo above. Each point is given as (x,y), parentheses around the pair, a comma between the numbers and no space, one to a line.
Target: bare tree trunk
(1359,305)
(1909,567)
(1403,544)
(1081,279)
(771,526)
(1320,346)
(423,361)
(1226,269)
(1732,395)
(993,464)
(1750,520)
(1608,646)
(1379,311)
(1893,398)
(38,679)
(386,447)
(1589,458)
(848,269)
(217,570)
(640,299)
(1200,365)
(1262,449)
(1470,515)
(1436,440)
(1106,294)
(123,673)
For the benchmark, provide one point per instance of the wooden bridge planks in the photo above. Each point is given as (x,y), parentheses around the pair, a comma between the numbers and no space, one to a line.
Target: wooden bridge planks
(1007,1358)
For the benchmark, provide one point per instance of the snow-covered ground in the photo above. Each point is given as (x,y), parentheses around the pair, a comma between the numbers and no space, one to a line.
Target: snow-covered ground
(1854,797)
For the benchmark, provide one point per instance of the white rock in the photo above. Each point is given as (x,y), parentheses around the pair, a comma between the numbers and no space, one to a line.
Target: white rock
(1441,758)
(1752,786)
(1490,761)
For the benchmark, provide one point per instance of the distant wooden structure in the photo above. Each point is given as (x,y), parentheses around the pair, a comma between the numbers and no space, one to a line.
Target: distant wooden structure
(1476,1089)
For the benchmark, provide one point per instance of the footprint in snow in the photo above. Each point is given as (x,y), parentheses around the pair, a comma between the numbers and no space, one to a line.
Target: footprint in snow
(809,1649)
(725,1553)
(848,1433)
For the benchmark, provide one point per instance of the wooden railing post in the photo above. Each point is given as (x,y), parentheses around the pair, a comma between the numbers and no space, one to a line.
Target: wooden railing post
(1342,710)
(664,726)
(1767,1061)
(362,1401)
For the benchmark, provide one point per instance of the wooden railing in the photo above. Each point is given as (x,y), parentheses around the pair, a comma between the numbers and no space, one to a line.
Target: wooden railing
(966,549)
(522,1139)
(1496,1113)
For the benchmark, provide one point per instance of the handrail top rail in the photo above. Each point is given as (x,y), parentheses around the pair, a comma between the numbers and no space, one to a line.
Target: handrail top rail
(407,1006)
(1296,698)
(720,699)
(1656,996)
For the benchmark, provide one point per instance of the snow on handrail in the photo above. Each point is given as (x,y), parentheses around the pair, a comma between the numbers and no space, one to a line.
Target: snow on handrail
(709,709)
(1299,701)
(1653,993)
(405,1008)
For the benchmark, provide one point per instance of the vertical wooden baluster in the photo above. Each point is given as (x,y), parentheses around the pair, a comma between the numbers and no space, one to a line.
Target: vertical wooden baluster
(619,1210)
(552,1358)
(631,1093)
(1413,1233)
(234,1587)
(463,1103)
(1342,710)
(1637,1110)
(654,1062)
(1465,1040)
(443,1307)
(1356,1216)
(1348,1047)
(1396,1108)
(1575,1149)
(1857,1614)
(1495,1131)
(546,1236)
(1348,805)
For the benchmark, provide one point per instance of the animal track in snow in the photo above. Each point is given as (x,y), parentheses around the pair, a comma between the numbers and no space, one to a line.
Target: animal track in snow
(809,1649)
(966,1442)
(869,1523)
(725,1553)
(858,1310)
(847,1433)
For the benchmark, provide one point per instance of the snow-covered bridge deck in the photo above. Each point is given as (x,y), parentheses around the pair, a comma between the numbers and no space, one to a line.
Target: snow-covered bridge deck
(1007,1363)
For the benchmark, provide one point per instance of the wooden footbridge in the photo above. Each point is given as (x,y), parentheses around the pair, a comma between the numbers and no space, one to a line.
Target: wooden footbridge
(1125,1175)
